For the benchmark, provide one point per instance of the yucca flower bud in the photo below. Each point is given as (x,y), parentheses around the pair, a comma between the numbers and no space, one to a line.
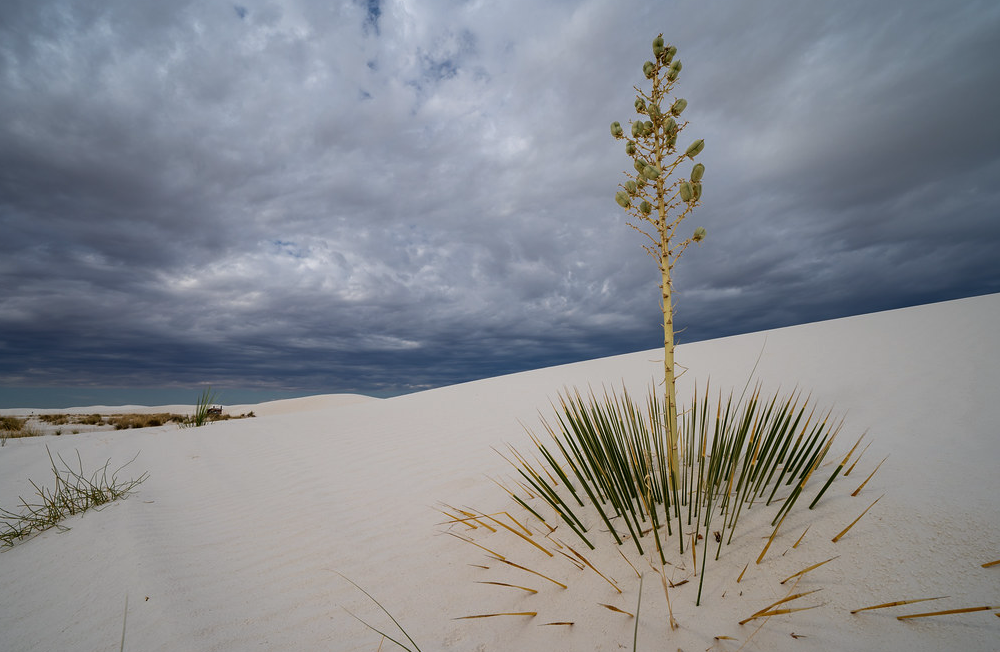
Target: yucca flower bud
(616,130)
(636,129)
(654,111)
(639,165)
(697,172)
(668,55)
(649,69)
(650,172)
(674,70)
(670,126)
(696,194)
(647,127)
(686,192)
(630,187)
(658,46)
(645,207)
(622,198)
(678,107)
(695,148)
(630,148)
(640,182)
(640,105)
(699,234)
(672,140)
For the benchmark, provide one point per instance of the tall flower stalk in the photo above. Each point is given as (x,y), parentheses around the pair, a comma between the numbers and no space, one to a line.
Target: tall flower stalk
(656,203)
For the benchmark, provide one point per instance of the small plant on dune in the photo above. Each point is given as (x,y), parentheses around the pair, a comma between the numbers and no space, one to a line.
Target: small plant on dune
(73,493)
(201,414)
(656,204)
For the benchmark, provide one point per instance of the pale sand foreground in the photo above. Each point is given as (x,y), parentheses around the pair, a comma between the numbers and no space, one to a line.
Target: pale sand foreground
(235,541)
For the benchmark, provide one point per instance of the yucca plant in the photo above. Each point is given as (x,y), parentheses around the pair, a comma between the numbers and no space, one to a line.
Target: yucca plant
(205,401)
(658,204)
(610,454)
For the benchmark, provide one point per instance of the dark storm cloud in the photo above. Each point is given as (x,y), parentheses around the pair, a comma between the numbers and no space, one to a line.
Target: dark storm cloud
(385,196)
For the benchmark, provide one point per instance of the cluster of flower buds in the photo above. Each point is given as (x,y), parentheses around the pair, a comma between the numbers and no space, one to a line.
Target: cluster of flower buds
(664,119)
(674,70)
(663,53)
(690,192)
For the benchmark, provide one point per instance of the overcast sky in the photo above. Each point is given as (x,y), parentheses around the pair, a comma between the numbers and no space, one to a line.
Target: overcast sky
(391,195)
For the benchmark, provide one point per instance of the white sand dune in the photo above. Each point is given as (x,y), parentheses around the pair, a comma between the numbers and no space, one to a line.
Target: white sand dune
(236,539)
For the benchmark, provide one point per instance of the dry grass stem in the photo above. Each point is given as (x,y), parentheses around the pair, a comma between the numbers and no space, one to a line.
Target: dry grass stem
(837,538)
(637,573)
(767,611)
(991,563)
(616,609)
(468,540)
(855,462)
(947,612)
(796,544)
(771,539)
(806,570)
(897,603)
(593,568)
(531,614)
(513,586)
(858,490)
(740,578)
(533,572)
(526,538)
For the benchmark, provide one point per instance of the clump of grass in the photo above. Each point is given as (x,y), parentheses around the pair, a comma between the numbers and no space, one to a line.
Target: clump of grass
(73,492)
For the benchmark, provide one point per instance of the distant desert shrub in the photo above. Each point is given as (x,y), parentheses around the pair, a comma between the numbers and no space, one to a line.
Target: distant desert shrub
(125,421)
(12,424)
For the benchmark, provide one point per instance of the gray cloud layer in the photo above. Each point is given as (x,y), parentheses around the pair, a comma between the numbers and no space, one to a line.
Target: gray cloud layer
(384,196)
